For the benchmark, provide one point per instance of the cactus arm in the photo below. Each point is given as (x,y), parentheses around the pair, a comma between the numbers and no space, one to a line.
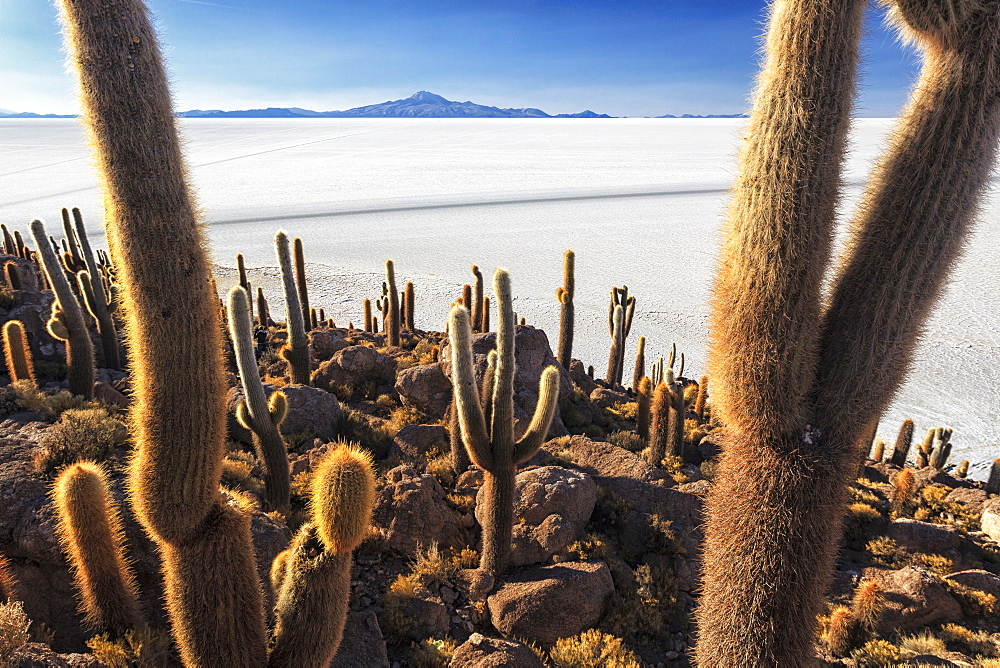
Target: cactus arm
(74,260)
(470,414)
(502,420)
(271,450)
(915,216)
(90,530)
(79,348)
(300,278)
(486,391)
(545,410)
(101,312)
(296,352)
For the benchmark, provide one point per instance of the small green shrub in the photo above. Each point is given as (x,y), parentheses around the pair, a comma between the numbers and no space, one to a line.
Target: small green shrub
(30,398)
(80,434)
(877,654)
(145,647)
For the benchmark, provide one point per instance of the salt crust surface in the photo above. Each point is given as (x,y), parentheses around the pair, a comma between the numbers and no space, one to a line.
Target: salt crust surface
(641,202)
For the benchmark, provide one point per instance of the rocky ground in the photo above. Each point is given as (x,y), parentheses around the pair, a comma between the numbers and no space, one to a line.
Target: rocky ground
(603,539)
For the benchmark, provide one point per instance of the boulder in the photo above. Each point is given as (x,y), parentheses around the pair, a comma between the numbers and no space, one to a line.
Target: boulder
(410,510)
(545,603)
(359,368)
(552,506)
(983,581)
(914,599)
(37,655)
(310,409)
(606,398)
(990,519)
(578,374)
(972,498)
(531,356)
(426,388)
(362,645)
(414,442)
(482,652)
(917,536)
(325,343)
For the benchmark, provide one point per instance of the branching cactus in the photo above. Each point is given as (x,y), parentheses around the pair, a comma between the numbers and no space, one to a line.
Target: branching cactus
(798,386)
(392,312)
(17,353)
(566,312)
(256,413)
(619,326)
(493,448)
(67,322)
(315,590)
(90,530)
(296,351)
(101,303)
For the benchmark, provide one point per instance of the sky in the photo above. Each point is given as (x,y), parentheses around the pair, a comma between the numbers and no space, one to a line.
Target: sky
(619,57)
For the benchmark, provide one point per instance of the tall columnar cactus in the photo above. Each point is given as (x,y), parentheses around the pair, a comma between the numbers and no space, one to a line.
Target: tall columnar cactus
(300,279)
(12,275)
(565,296)
(256,412)
(392,323)
(702,399)
(312,601)
(17,353)
(74,262)
(263,313)
(410,301)
(639,371)
(493,448)
(174,338)
(90,530)
(8,241)
(102,304)
(904,439)
(619,326)
(798,387)
(296,350)
(368,314)
(477,300)
(67,321)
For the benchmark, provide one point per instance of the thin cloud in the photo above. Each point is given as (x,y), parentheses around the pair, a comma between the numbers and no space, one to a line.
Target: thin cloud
(210,4)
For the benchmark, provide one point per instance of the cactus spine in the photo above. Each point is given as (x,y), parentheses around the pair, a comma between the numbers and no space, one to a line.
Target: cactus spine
(90,530)
(17,352)
(566,311)
(256,413)
(102,304)
(779,372)
(174,338)
(392,325)
(493,449)
(67,321)
(316,587)
(300,282)
(296,351)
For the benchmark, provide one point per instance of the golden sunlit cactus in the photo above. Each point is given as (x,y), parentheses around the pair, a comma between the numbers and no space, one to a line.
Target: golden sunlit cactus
(493,448)
(17,352)
(100,304)
(391,318)
(566,311)
(296,350)
(90,530)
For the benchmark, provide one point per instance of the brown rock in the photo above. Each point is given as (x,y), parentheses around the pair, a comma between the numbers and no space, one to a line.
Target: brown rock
(605,398)
(914,599)
(552,507)
(978,579)
(578,374)
(426,388)
(545,603)
(410,510)
(482,652)
(990,520)
(970,497)
(917,536)
(109,396)
(310,409)
(359,368)
(363,645)
(325,343)
(414,442)
(477,582)
(37,655)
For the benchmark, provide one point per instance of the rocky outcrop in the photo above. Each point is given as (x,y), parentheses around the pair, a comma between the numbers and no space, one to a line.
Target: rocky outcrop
(415,442)
(325,343)
(913,600)
(551,510)
(410,510)
(363,645)
(917,536)
(426,388)
(310,411)
(361,369)
(545,603)
(482,652)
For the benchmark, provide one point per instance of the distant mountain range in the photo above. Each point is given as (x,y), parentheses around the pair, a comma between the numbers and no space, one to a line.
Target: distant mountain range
(419,105)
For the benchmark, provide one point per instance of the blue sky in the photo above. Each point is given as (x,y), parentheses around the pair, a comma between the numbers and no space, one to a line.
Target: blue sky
(621,57)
